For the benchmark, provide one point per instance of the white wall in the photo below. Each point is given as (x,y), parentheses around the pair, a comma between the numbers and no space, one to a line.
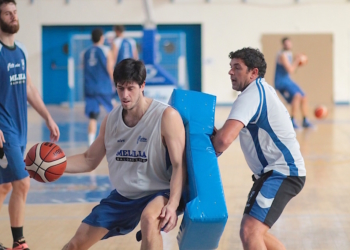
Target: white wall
(227,25)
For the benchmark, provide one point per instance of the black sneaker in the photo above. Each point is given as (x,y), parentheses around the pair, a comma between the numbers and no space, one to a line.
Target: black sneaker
(3,248)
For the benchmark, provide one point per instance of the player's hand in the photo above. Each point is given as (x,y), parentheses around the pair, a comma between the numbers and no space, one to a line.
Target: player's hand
(168,218)
(214,133)
(2,139)
(299,58)
(54,130)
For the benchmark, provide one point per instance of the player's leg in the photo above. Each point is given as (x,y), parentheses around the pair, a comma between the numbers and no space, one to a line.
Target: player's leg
(266,202)
(301,103)
(92,127)
(253,233)
(272,243)
(295,104)
(85,237)
(304,111)
(15,173)
(5,184)
(285,91)
(150,223)
(5,188)
(92,111)
(17,201)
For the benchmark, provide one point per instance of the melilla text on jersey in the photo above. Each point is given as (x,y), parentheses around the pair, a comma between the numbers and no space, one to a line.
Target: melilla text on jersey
(18,79)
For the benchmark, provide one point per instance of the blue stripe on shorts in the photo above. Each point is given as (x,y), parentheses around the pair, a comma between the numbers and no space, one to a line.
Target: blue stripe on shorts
(266,196)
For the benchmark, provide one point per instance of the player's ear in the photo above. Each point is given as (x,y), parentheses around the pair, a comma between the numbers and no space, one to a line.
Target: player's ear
(255,73)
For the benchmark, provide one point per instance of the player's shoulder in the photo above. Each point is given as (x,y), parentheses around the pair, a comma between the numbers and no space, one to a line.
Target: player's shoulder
(252,89)
(105,49)
(170,114)
(21,47)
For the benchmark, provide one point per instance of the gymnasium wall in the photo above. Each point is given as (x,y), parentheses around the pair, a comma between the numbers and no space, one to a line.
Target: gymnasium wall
(226,25)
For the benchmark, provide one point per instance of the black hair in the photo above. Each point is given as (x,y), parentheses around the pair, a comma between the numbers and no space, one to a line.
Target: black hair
(284,39)
(252,58)
(96,35)
(119,28)
(129,70)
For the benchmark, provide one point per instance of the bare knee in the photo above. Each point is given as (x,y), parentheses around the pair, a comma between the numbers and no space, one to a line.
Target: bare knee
(297,97)
(252,230)
(149,224)
(75,243)
(5,188)
(21,186)
(247,233)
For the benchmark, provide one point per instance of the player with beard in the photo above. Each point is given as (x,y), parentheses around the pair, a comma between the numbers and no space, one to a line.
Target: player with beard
(16,89)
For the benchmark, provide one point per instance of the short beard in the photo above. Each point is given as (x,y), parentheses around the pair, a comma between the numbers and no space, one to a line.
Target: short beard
(10,29)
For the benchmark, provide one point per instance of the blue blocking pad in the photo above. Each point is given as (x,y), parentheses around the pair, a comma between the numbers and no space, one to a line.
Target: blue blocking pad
(205,214)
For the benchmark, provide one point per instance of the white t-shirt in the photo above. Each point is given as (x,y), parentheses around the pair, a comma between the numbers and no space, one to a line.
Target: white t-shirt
(268,139)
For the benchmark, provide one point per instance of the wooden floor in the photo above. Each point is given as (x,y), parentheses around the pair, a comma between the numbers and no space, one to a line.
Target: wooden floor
(318,218)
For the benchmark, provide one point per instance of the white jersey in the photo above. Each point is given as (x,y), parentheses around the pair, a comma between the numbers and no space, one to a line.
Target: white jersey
(137,159)
(268,139)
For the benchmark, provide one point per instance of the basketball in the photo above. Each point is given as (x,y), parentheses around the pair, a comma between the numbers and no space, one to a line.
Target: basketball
(303,59)
(321,112)
(45,162)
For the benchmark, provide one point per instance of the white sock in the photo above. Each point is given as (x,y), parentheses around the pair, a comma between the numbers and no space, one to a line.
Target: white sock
(91,138)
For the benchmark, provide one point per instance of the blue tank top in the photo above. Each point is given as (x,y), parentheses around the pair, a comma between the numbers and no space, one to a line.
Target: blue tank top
(96,78)
(125,48)
(281,73)
(13,93)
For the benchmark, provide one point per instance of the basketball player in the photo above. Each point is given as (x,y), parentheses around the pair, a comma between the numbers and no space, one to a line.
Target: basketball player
(122,47)
(16,89)
(98,75)
(144,142)
(292,93)
(269,144)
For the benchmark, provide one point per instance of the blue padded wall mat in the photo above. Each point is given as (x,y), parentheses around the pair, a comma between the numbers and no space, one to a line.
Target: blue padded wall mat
(205,215)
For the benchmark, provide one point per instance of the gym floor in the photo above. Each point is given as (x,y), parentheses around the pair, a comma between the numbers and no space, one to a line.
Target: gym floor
(318,218)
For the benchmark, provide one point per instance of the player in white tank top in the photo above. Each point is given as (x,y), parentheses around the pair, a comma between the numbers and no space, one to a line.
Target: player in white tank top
(269,144)
(135,138)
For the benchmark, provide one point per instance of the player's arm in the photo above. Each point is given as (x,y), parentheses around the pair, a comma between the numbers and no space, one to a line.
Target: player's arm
(115,50)
(2,139)
(135,53)
(173,132)
(89,160)
(223,137)
(290,67)
(37,103)
(110,64)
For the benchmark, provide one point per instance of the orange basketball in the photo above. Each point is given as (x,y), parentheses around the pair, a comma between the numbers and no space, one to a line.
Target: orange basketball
(321,112)
(45,162)
(303,59)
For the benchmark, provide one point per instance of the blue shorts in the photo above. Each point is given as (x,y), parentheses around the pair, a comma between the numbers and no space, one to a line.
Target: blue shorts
(12,166)
(92,104)
(270,194)
(288,89)
(119,214)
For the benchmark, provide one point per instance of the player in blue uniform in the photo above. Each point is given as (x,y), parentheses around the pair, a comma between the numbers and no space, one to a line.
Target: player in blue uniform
(269,144)
(122,47)
(16,89)
(98,75)
(285,65)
